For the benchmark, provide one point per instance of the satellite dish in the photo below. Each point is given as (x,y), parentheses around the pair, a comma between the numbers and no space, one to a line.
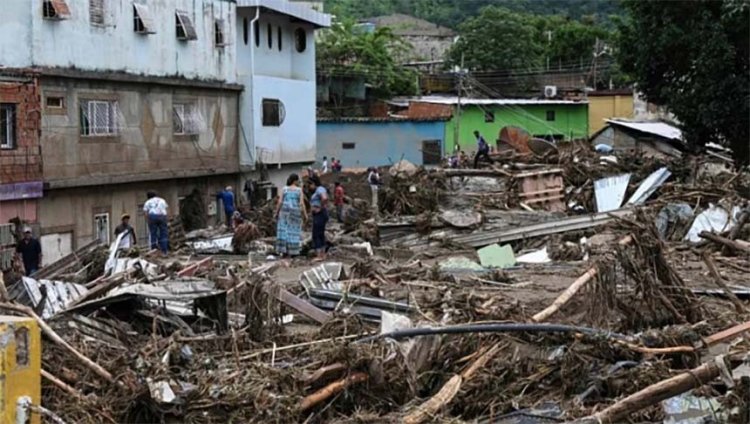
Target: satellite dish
(517,138)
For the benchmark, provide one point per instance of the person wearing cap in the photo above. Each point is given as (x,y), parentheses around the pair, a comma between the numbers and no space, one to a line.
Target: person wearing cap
(155,209)
(128,240)
(30,251)
(227,198)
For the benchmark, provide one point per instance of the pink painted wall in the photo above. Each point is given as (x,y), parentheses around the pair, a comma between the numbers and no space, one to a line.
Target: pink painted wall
(24,209)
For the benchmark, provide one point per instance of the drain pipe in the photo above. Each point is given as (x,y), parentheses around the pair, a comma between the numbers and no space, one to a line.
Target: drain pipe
(253,45)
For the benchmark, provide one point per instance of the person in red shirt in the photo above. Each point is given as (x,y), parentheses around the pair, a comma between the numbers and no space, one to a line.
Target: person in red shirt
(338,200)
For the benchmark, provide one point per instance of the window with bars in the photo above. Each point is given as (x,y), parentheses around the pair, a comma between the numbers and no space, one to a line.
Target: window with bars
(185,27)
(7,126)
(186,119)
(99,117)
(273,112)
(101,227)
(55,9)
(143,23)
(96,12)
(219,39)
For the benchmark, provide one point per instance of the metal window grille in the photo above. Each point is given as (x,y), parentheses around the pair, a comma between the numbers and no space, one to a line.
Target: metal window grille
(185,27)
(101,227)
(219,37)
(55,9)
(143,23)
(273,113)
(99,117)
(96,12)
(7,126)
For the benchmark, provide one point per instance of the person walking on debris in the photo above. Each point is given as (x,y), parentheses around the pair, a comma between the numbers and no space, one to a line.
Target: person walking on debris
(227,199)
(324,168)
(30,251)
(249,190)
(155,209)
(483,149)
(128,240)
(290,210)
(318,204)
(373,178)
(338,200)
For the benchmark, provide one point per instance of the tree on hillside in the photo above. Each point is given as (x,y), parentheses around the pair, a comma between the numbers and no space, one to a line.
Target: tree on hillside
(567,41)
(346,51)
(692,57)
(497,39)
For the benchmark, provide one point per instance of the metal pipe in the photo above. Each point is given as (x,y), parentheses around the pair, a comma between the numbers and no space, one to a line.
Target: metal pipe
(492,328)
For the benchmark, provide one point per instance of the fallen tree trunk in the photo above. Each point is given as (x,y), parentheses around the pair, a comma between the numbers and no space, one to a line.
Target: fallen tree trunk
(573,289)
(658,392)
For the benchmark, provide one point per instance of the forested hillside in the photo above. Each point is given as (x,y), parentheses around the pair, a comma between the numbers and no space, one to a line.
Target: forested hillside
(451,13)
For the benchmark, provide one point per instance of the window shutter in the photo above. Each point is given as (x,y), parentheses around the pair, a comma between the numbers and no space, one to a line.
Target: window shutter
(142,13)
(96,12)
(185,24)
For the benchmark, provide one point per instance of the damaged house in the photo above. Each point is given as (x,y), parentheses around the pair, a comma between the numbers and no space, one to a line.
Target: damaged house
(652,139)
(105,100)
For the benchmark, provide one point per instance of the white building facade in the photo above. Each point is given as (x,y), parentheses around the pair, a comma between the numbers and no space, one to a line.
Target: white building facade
(133,95)
(276,65)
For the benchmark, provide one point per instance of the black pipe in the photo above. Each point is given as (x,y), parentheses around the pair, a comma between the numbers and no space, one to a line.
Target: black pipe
(492,328)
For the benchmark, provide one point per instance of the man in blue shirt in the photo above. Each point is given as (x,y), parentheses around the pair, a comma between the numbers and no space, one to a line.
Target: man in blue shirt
(483,149)
(227,198)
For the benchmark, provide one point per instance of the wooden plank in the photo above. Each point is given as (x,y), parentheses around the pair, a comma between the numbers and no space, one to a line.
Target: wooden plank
(729,333)
(300,305)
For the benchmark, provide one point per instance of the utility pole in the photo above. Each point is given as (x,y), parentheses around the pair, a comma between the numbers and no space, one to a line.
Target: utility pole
(456,132)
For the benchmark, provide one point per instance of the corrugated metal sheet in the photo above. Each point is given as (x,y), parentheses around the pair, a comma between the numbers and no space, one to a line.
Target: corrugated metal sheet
(453,100)
(610,192)
(649,186)
(60,294)
(660,129)
(369,120)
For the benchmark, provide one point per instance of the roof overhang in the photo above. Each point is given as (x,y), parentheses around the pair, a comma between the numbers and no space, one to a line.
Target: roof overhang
(294,10)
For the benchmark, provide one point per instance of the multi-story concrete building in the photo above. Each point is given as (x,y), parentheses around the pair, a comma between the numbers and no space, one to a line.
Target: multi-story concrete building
(123,96)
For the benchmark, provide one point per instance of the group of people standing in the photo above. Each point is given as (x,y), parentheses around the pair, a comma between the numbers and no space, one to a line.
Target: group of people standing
(291,213)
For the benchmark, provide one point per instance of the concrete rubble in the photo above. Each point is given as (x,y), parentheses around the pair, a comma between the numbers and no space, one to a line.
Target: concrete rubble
(472,297)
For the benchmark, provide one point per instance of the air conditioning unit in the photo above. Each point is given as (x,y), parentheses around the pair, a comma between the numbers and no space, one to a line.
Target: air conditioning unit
(550,91)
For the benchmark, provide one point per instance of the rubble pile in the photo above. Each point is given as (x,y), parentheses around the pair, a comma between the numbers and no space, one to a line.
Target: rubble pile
(569,288)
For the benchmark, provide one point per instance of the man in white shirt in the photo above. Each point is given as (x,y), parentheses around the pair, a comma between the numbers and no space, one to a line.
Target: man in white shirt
(324,168)
(155,209)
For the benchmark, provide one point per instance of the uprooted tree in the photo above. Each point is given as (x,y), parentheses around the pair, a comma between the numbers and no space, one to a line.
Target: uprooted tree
(694,58)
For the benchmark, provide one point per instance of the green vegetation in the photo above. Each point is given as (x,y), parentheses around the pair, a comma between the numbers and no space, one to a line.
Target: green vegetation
(499,39)
(692,57)
(451,13)
(346,52)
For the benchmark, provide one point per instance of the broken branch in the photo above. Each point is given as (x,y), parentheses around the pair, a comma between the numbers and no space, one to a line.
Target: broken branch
(331,389)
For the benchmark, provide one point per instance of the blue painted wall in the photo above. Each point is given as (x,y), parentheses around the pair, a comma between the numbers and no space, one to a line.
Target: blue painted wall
(377,143)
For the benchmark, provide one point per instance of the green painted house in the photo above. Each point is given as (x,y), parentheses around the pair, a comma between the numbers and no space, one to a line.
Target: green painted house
(549,119)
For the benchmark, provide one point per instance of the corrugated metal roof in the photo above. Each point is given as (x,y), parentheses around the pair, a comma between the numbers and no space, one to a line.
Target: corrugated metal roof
(660,129)
(302,12)
(370,120)
(453,100)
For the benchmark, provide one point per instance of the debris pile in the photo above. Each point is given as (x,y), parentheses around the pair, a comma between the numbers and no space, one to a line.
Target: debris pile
(567,288)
